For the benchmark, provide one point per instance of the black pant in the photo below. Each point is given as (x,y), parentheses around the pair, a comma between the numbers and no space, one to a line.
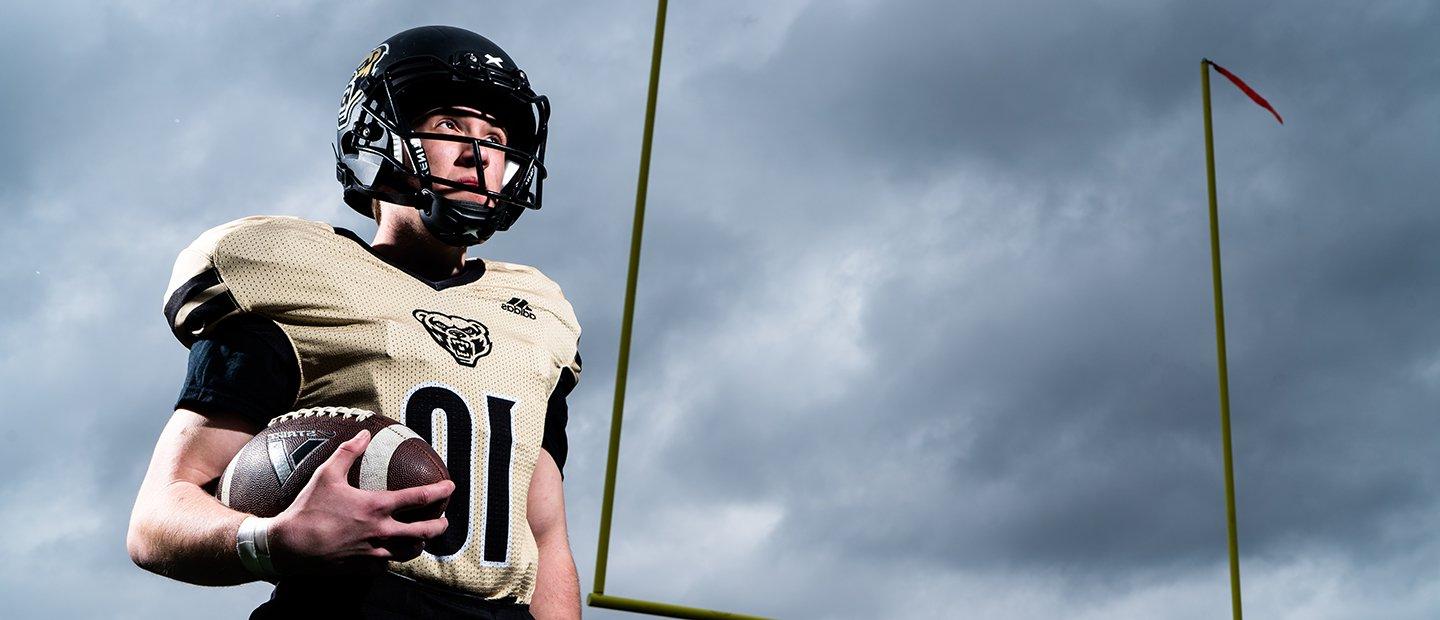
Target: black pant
(386,597)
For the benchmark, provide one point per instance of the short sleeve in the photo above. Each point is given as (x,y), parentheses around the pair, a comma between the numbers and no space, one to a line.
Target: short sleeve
(245,366)
(557,413)
(197,298)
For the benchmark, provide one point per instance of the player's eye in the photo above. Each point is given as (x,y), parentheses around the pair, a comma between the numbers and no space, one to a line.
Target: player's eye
(447,123)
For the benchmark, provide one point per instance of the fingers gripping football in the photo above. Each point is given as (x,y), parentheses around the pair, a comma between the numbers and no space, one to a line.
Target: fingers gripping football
(337,467)
(299,471)
(335,527)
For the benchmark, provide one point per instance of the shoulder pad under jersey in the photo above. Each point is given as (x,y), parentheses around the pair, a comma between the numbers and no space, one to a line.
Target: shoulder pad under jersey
(200,294)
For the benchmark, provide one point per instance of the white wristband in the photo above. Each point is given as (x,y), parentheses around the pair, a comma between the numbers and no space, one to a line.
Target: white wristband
(253,544)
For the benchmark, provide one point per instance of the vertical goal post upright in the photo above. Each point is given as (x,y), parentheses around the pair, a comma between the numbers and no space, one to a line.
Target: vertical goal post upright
(1217,286)
(598,598)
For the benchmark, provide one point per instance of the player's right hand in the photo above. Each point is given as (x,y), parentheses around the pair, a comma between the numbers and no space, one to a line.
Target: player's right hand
(335,528)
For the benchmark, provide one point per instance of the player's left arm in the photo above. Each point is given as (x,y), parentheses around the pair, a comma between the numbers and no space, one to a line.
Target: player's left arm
(557,587)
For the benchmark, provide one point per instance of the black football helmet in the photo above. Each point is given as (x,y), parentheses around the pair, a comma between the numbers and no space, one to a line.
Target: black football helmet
(378,155)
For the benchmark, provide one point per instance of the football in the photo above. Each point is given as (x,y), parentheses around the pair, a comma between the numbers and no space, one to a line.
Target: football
(269,471)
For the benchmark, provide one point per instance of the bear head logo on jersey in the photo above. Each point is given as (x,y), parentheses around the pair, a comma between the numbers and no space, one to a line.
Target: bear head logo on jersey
(465,339)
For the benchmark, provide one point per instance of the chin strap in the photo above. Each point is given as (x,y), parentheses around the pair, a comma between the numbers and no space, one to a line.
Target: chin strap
(465,223)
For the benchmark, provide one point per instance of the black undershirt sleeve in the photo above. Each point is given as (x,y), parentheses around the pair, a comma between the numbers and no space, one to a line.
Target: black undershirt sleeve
(245,366)
(557,413)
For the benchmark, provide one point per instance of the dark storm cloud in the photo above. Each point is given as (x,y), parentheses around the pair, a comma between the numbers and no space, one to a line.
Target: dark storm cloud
(923,317)
(1059,408)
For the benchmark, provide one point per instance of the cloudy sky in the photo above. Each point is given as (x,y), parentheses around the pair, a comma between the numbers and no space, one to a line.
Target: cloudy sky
(924,326)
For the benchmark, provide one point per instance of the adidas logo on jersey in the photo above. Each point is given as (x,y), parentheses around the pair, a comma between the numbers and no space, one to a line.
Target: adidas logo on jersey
(518,306)
(465,339)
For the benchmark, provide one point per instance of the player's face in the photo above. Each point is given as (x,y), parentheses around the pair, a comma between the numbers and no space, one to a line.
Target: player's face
(456,160)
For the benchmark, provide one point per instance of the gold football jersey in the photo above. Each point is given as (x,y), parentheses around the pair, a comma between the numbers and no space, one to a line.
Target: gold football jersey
(469,363)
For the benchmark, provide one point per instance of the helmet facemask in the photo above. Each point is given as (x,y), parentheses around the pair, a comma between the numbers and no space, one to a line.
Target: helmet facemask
(380,155)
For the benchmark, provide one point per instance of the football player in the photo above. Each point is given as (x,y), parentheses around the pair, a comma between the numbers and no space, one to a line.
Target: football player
(441,139)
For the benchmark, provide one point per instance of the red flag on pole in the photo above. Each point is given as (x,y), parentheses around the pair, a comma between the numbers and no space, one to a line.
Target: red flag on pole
(1239,83)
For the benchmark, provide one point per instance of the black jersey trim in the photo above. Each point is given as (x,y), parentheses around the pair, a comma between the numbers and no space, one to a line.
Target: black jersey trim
(474,268)
(200,317)
(212,310)
(557,413)
(204,316)
(205,279)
